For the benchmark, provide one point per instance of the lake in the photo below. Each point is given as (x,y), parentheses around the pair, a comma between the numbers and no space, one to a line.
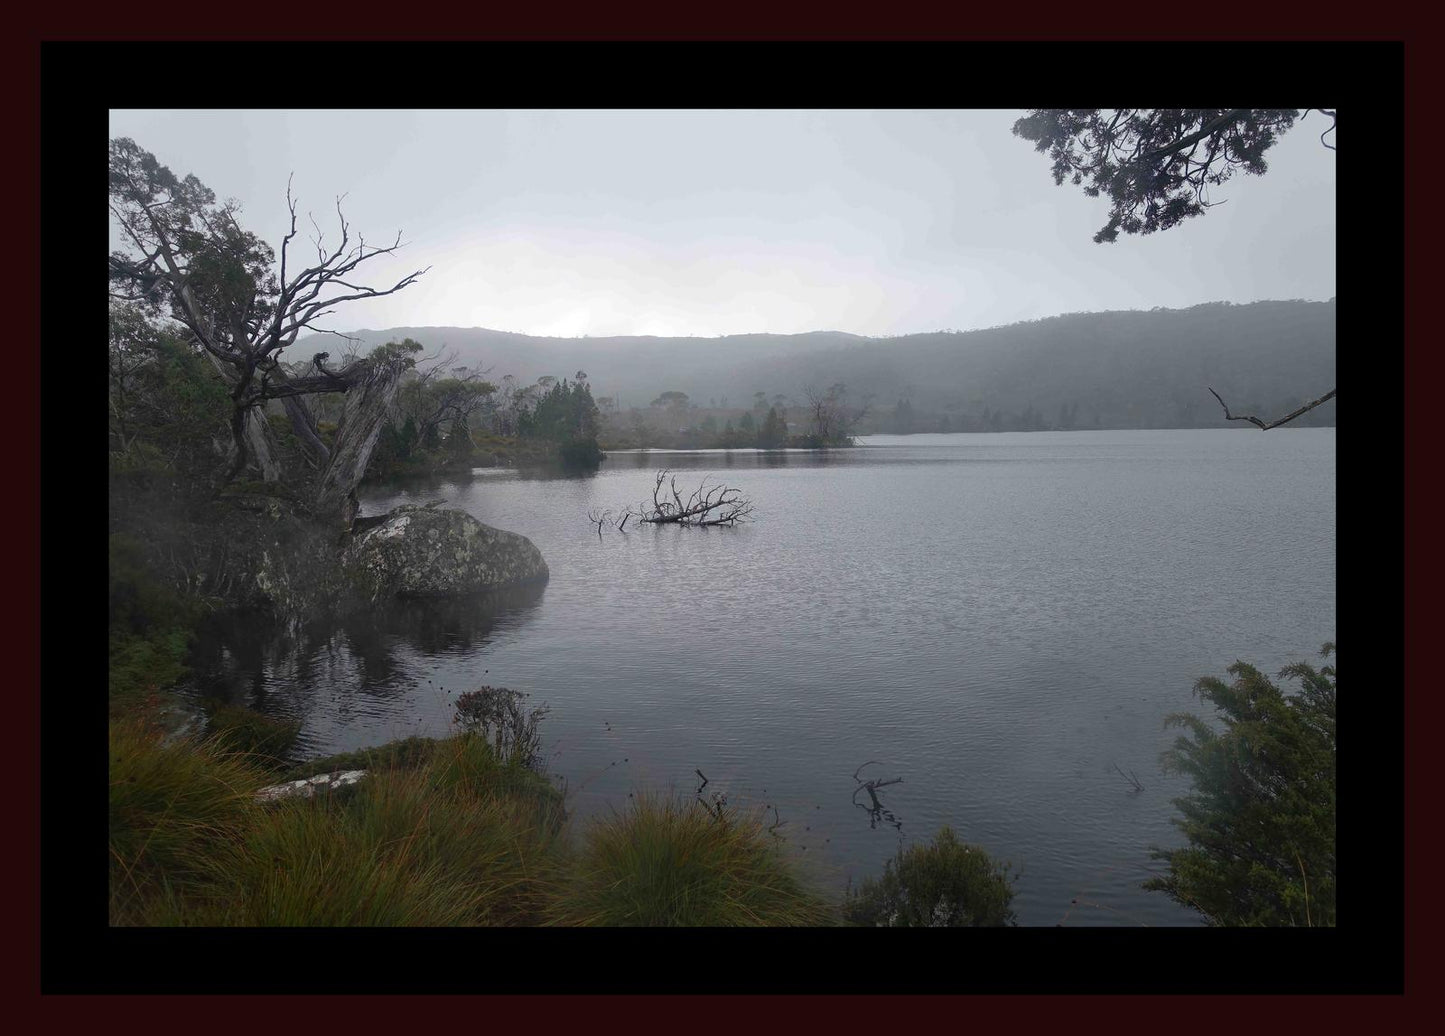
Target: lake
(999,620)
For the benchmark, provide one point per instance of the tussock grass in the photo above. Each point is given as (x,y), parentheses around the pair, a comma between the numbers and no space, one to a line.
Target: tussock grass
(170,807)
(665,863)
(265,739)
(458,839)
(440,833)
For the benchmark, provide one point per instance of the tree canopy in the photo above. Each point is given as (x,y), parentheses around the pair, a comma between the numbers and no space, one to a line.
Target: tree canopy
(1155,164)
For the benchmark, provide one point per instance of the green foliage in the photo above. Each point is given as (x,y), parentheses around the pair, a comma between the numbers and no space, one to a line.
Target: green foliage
(1260,821)
(459,440)
(664,863)
(142,666)
(566,415)
(1156,165)
(580,453)
(149,627)
(265,740)
(227,271)
(774,432)
(945,884)
(168,407)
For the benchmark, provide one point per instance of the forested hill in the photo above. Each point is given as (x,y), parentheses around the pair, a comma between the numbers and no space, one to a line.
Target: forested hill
(1130,369)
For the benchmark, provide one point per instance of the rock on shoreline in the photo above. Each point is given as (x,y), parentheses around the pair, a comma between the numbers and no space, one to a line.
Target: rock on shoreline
(430,552)
(309,786)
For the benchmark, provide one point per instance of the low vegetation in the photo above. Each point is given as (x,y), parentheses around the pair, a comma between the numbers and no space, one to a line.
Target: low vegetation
(440,832)
(1260,820)
(669,863)
(944,884)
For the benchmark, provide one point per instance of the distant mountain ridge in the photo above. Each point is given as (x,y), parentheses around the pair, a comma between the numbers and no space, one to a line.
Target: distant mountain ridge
(1118,369)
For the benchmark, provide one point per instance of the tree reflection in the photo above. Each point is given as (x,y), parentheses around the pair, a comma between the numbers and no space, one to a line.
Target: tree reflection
(243,658)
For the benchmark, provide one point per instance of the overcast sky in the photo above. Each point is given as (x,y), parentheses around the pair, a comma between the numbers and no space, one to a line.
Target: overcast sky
(726,222)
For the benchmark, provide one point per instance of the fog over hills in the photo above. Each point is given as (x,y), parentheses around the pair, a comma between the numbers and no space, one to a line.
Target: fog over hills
(1118,369)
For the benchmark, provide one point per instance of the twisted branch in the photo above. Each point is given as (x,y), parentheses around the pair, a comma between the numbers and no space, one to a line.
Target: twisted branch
(1266,426)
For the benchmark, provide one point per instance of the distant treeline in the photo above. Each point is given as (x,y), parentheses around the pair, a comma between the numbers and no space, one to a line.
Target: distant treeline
(1134,369)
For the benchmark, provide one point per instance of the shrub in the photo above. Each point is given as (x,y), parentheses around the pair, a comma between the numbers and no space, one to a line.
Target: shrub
(1261,819)
(945,884)
(664,863)
(582,454)
(496,715)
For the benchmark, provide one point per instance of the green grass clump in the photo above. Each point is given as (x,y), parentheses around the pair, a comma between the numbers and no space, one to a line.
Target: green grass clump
(170,808)
(945,884)
(458,839)
(313,863)
(665,863)
(265,739)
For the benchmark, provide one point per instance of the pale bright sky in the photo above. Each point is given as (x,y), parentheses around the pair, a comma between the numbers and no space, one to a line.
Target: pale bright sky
(727,222)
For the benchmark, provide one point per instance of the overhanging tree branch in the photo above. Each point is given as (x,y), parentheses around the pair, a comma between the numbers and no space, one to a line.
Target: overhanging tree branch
(1266,426)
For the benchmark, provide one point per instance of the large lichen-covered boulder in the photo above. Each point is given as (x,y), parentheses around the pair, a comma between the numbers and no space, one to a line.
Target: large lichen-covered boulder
(431,552)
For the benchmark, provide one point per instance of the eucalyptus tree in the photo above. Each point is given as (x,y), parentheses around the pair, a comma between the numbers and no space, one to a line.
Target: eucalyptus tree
(186,257)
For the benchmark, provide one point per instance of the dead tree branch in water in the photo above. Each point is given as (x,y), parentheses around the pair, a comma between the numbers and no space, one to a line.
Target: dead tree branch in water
(1131,777)
(707,505)
(599,519)
(877,811)
(1263,426)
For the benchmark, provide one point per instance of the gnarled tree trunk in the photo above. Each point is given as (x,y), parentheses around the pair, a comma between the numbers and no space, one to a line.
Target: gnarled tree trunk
(367,402)
(258,445)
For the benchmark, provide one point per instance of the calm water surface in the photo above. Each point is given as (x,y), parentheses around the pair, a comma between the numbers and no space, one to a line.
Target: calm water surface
(999,620)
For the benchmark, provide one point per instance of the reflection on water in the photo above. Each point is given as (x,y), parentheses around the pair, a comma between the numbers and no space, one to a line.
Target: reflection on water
(347,681)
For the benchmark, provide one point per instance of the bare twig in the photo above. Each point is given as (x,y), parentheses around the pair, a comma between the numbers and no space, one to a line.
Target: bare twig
(877,811)
(599,519)
(1131,777)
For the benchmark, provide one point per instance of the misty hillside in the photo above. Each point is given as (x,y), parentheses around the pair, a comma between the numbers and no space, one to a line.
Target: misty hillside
(1130,369)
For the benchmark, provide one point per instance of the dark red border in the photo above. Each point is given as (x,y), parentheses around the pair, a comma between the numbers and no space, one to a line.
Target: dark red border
(675,22)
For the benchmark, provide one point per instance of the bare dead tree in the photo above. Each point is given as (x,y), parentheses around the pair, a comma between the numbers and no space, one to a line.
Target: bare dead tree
(831,418)
(1266,426)
(705,506)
